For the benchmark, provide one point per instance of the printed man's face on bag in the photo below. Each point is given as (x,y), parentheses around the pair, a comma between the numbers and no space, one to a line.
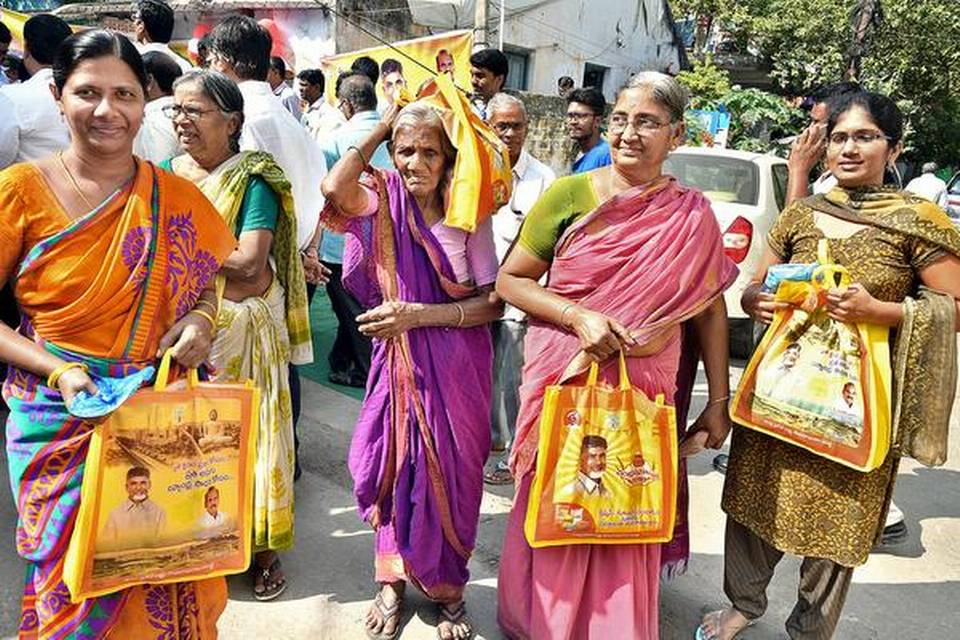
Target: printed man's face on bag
(593,461)
(138,488)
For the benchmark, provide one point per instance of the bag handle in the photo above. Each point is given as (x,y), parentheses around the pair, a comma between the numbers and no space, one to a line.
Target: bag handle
(624,375)
(828,274)
(163,373)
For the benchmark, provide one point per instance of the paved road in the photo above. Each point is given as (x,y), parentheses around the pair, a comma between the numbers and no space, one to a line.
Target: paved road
(910,593)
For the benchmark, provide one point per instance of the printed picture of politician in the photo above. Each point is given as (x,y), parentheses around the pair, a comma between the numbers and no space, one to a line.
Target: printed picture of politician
(138,520)
(593,463)
(212,521)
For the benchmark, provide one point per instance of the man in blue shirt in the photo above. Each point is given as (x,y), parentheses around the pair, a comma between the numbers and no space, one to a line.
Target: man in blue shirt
(585,109)
(350,356)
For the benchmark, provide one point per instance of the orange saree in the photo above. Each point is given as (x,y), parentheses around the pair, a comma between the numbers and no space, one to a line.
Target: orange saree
(101,289)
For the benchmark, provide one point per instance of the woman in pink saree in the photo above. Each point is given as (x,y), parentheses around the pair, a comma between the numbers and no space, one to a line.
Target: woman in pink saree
(636,263)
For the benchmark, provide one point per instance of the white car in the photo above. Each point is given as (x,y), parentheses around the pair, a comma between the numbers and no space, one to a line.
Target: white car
(953,198)
(747,192)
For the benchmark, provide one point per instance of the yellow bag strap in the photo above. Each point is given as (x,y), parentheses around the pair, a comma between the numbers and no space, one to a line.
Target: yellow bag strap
(823,252)
(163,373)
(624,374)
(829,275)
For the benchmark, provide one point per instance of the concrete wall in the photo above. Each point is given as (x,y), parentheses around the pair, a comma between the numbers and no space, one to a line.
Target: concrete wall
(562,36)
(388,19)
(547,137)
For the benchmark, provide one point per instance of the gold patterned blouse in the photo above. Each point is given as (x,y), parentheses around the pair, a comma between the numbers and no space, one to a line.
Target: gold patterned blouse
(795,500)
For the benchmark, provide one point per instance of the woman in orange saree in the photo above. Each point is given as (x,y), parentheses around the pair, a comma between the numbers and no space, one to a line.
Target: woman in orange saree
(102,289)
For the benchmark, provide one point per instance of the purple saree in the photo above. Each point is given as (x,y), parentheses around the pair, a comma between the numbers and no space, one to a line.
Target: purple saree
(421,440)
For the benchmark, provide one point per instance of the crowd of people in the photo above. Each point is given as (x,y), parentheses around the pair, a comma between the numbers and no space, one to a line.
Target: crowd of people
(259,193)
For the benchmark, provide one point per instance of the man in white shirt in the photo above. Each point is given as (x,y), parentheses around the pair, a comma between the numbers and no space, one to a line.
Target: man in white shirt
(508,118)
(320,118)
(157,141)
(31,126)
(5,39)
(212,522)
(153,28)
(928,185)
(277,78)
(240,49)
(138,521)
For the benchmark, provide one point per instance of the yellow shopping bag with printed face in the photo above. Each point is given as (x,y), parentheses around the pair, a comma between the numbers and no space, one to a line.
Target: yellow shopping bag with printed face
(819,383)
(167,492)
(606,466)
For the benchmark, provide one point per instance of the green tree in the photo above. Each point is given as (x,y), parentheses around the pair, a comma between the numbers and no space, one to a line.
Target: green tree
(706,82)
(910,54)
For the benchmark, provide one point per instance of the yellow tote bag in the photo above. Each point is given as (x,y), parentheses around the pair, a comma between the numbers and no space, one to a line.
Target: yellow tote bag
(167,492)
(606,466)
(819,383)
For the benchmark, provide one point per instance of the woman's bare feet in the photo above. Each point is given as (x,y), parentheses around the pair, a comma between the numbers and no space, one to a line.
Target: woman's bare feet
(383,617)
(454,624)
(722,625)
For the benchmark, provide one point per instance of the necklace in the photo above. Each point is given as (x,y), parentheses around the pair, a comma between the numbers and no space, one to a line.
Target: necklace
(73,181)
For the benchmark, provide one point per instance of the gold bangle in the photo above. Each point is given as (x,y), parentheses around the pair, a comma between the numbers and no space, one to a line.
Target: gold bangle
(718,400)
(563,314)
(463,314)
(204,314)
(54,378)
(213,308)
(363,158)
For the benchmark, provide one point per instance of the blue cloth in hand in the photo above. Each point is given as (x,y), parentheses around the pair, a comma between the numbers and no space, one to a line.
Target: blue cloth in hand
(112,392)
(792,272)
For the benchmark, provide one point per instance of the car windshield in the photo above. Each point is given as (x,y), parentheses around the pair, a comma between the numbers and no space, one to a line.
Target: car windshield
(954,187)
(720,179)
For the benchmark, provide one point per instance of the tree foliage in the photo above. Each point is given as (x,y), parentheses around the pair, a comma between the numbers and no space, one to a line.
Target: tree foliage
(913,55)
(706,82)
(756,117)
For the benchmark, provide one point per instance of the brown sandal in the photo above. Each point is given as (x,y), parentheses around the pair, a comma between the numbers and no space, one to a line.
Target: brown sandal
(386,614)
(455,617)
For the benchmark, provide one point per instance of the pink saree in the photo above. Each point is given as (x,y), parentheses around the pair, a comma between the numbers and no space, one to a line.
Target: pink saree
(652,257)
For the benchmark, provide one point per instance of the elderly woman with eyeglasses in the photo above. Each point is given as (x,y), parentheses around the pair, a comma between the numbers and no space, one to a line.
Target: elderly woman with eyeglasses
(262,324)
(635,264)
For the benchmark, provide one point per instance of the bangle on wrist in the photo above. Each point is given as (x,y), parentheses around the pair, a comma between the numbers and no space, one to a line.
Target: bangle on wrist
(210,318)
(563,314)
(717,400)
(54,378)
(213,308)
(462,314)
(363,158)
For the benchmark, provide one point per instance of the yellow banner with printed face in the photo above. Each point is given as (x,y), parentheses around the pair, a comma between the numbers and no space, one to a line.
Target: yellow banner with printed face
(420,60)
(15,22)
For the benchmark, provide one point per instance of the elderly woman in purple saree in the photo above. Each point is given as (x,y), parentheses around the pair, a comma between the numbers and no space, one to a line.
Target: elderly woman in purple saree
(423,433)
(635,263)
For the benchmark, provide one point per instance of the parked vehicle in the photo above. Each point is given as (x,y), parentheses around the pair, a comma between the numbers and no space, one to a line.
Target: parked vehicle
(747,192)
(953,197)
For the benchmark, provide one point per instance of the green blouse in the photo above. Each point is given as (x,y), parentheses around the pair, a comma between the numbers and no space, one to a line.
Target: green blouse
(563,203)
(259,209)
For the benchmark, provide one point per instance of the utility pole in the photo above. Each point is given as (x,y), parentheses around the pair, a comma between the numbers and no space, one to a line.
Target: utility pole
(480,25)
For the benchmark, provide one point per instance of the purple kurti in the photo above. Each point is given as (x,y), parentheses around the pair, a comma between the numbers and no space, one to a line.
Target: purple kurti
(424,430)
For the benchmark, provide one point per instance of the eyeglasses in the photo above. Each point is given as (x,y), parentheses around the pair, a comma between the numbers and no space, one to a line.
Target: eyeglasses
(619,123)
(860,138)
(192,114)
(506,127)
(580,117)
